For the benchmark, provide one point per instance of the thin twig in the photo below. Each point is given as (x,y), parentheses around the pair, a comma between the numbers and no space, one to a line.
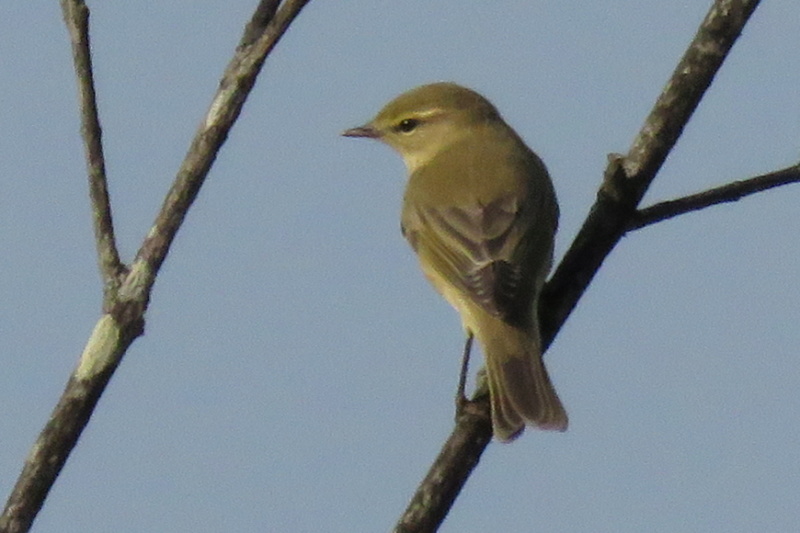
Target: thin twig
(627,179)
(124,309)
(76,18)
(234,87)
(726,193)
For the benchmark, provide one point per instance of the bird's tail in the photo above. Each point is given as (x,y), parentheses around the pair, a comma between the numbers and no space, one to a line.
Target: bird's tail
(520,389)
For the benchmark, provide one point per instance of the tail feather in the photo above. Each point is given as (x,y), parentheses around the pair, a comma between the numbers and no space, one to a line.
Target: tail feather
(507,424)
(520,389)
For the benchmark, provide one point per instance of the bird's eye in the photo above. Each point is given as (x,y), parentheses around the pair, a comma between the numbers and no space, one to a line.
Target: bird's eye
(407,125)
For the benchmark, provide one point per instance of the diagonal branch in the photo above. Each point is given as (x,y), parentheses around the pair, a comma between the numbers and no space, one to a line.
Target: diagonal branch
(457,458)
(726,193)
(626,181)
(124,309)
(76,18)
(627,178)
(260,37)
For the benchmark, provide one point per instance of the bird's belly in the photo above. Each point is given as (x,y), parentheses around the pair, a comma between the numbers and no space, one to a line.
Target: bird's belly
(454,297)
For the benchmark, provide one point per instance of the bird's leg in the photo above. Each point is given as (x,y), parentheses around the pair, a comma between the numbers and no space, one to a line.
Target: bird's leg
(461,398)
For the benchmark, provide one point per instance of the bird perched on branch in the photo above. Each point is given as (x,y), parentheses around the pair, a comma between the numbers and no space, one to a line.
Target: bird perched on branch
(481,214)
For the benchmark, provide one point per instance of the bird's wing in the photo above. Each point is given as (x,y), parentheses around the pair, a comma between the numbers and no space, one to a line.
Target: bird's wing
(475,248)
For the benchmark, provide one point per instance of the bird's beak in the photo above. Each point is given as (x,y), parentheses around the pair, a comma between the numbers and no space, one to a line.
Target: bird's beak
(366,130)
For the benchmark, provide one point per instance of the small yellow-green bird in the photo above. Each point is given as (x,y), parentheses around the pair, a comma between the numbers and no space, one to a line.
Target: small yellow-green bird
(481,213)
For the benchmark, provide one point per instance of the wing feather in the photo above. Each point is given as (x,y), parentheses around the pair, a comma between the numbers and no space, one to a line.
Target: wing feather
(476,249)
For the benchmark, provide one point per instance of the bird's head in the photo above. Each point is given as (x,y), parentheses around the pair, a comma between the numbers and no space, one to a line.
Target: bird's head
(425,120)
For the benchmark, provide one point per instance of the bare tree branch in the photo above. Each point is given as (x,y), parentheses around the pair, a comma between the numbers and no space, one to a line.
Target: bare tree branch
(626,181)
(123,318)
(458,457)
(261,16)
(235,86)
(731,192)
(76,18)
(627,178)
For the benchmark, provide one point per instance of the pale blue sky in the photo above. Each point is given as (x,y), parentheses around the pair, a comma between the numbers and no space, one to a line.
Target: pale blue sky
(297,372)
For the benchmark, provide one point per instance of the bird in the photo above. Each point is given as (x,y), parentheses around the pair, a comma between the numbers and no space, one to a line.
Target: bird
(481,213)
